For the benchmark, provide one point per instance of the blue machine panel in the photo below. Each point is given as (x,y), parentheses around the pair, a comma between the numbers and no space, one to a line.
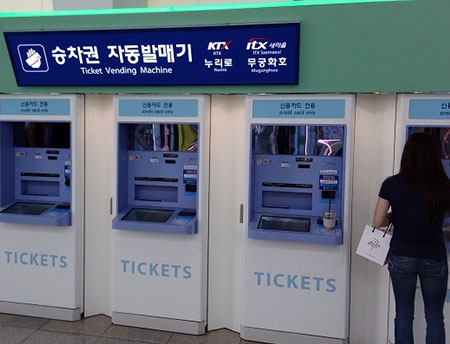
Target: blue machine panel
(158,171)
(442,138)
(36,170)
(295,178)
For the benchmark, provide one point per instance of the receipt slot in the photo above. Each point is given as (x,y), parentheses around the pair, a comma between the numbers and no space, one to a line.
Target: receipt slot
(41,206)
(161,223)
(428,113)
(296,250)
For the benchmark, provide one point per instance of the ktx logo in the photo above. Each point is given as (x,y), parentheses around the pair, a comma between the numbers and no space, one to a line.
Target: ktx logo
(257,43)
(219,45)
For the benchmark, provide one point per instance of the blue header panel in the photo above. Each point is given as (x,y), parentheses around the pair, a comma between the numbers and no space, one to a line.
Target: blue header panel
(429,109)
(215,55)
(158,107)
(46,107)
(299,108)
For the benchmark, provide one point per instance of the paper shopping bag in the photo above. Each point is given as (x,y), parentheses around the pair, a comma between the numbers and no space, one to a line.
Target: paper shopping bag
(374,244)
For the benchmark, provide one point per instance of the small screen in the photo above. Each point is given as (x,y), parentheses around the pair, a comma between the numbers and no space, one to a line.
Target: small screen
(298,139)
(24,208)
(42,134)
(284,223)
(159,137)
(441,136)
(148,215)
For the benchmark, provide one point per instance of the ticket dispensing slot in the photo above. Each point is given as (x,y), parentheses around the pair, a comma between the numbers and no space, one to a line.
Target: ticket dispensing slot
(157,184)
(442,139)
(36,172)
(295,180)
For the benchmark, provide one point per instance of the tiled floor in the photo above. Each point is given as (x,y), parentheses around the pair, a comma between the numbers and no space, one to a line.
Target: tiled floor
(99,330)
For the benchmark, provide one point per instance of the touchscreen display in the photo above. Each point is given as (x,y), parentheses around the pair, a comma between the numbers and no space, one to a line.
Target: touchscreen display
(148,215)
(42,134)
(160,137)
(298,139)
(441,136)
(284,223)
(24,208)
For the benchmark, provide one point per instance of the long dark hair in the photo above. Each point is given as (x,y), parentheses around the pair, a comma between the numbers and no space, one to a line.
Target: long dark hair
(421,166)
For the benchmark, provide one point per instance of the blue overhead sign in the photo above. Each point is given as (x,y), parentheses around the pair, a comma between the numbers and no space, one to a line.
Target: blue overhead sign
(214,55)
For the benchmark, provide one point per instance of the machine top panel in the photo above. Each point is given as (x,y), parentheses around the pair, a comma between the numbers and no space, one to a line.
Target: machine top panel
(299,108)
(35,106)
(429,108)
(158,108)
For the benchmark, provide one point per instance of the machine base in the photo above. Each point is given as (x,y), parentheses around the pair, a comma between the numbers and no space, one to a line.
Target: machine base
(157,323)
(40,311)
(280,337)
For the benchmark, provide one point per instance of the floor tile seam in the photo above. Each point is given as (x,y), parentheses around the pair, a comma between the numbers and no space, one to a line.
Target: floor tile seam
(23,340)
(21,326)
(130,340)
(68,332)
(26,327)
(110,325)
(47,322)
(170,338)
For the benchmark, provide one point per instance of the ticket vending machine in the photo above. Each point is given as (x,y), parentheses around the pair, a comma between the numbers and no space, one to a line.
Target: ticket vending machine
(428,113)
(161,224)
(41,205)
(297,241)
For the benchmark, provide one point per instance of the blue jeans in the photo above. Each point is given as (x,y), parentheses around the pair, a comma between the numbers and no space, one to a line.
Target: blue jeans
(433,277)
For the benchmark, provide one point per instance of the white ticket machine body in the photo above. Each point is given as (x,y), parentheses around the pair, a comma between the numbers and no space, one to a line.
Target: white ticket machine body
(428,113)
(160,229)
(296,271)
(41,206)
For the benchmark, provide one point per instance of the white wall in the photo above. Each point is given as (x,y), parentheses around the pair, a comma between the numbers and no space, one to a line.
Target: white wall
(89,4)
(25,5)
(157,3)
(228,123)
(373,162)
(98,192)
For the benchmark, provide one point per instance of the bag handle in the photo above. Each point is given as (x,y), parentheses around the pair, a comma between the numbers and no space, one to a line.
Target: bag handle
(388,228)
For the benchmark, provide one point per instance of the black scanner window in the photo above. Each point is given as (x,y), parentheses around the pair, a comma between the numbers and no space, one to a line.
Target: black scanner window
(24,208)
(284,223)
(148,215)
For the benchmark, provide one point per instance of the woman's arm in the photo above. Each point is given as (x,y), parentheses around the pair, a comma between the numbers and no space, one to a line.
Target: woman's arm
(382,218)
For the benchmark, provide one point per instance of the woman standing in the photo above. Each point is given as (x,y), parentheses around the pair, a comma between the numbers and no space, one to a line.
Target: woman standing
(420,197)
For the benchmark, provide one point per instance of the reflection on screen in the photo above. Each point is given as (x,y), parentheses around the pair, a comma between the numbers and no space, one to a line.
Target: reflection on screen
(42,134)
(159,137)
(298,140)
(440,135)
(284,223)
(25,208)
(148,215)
